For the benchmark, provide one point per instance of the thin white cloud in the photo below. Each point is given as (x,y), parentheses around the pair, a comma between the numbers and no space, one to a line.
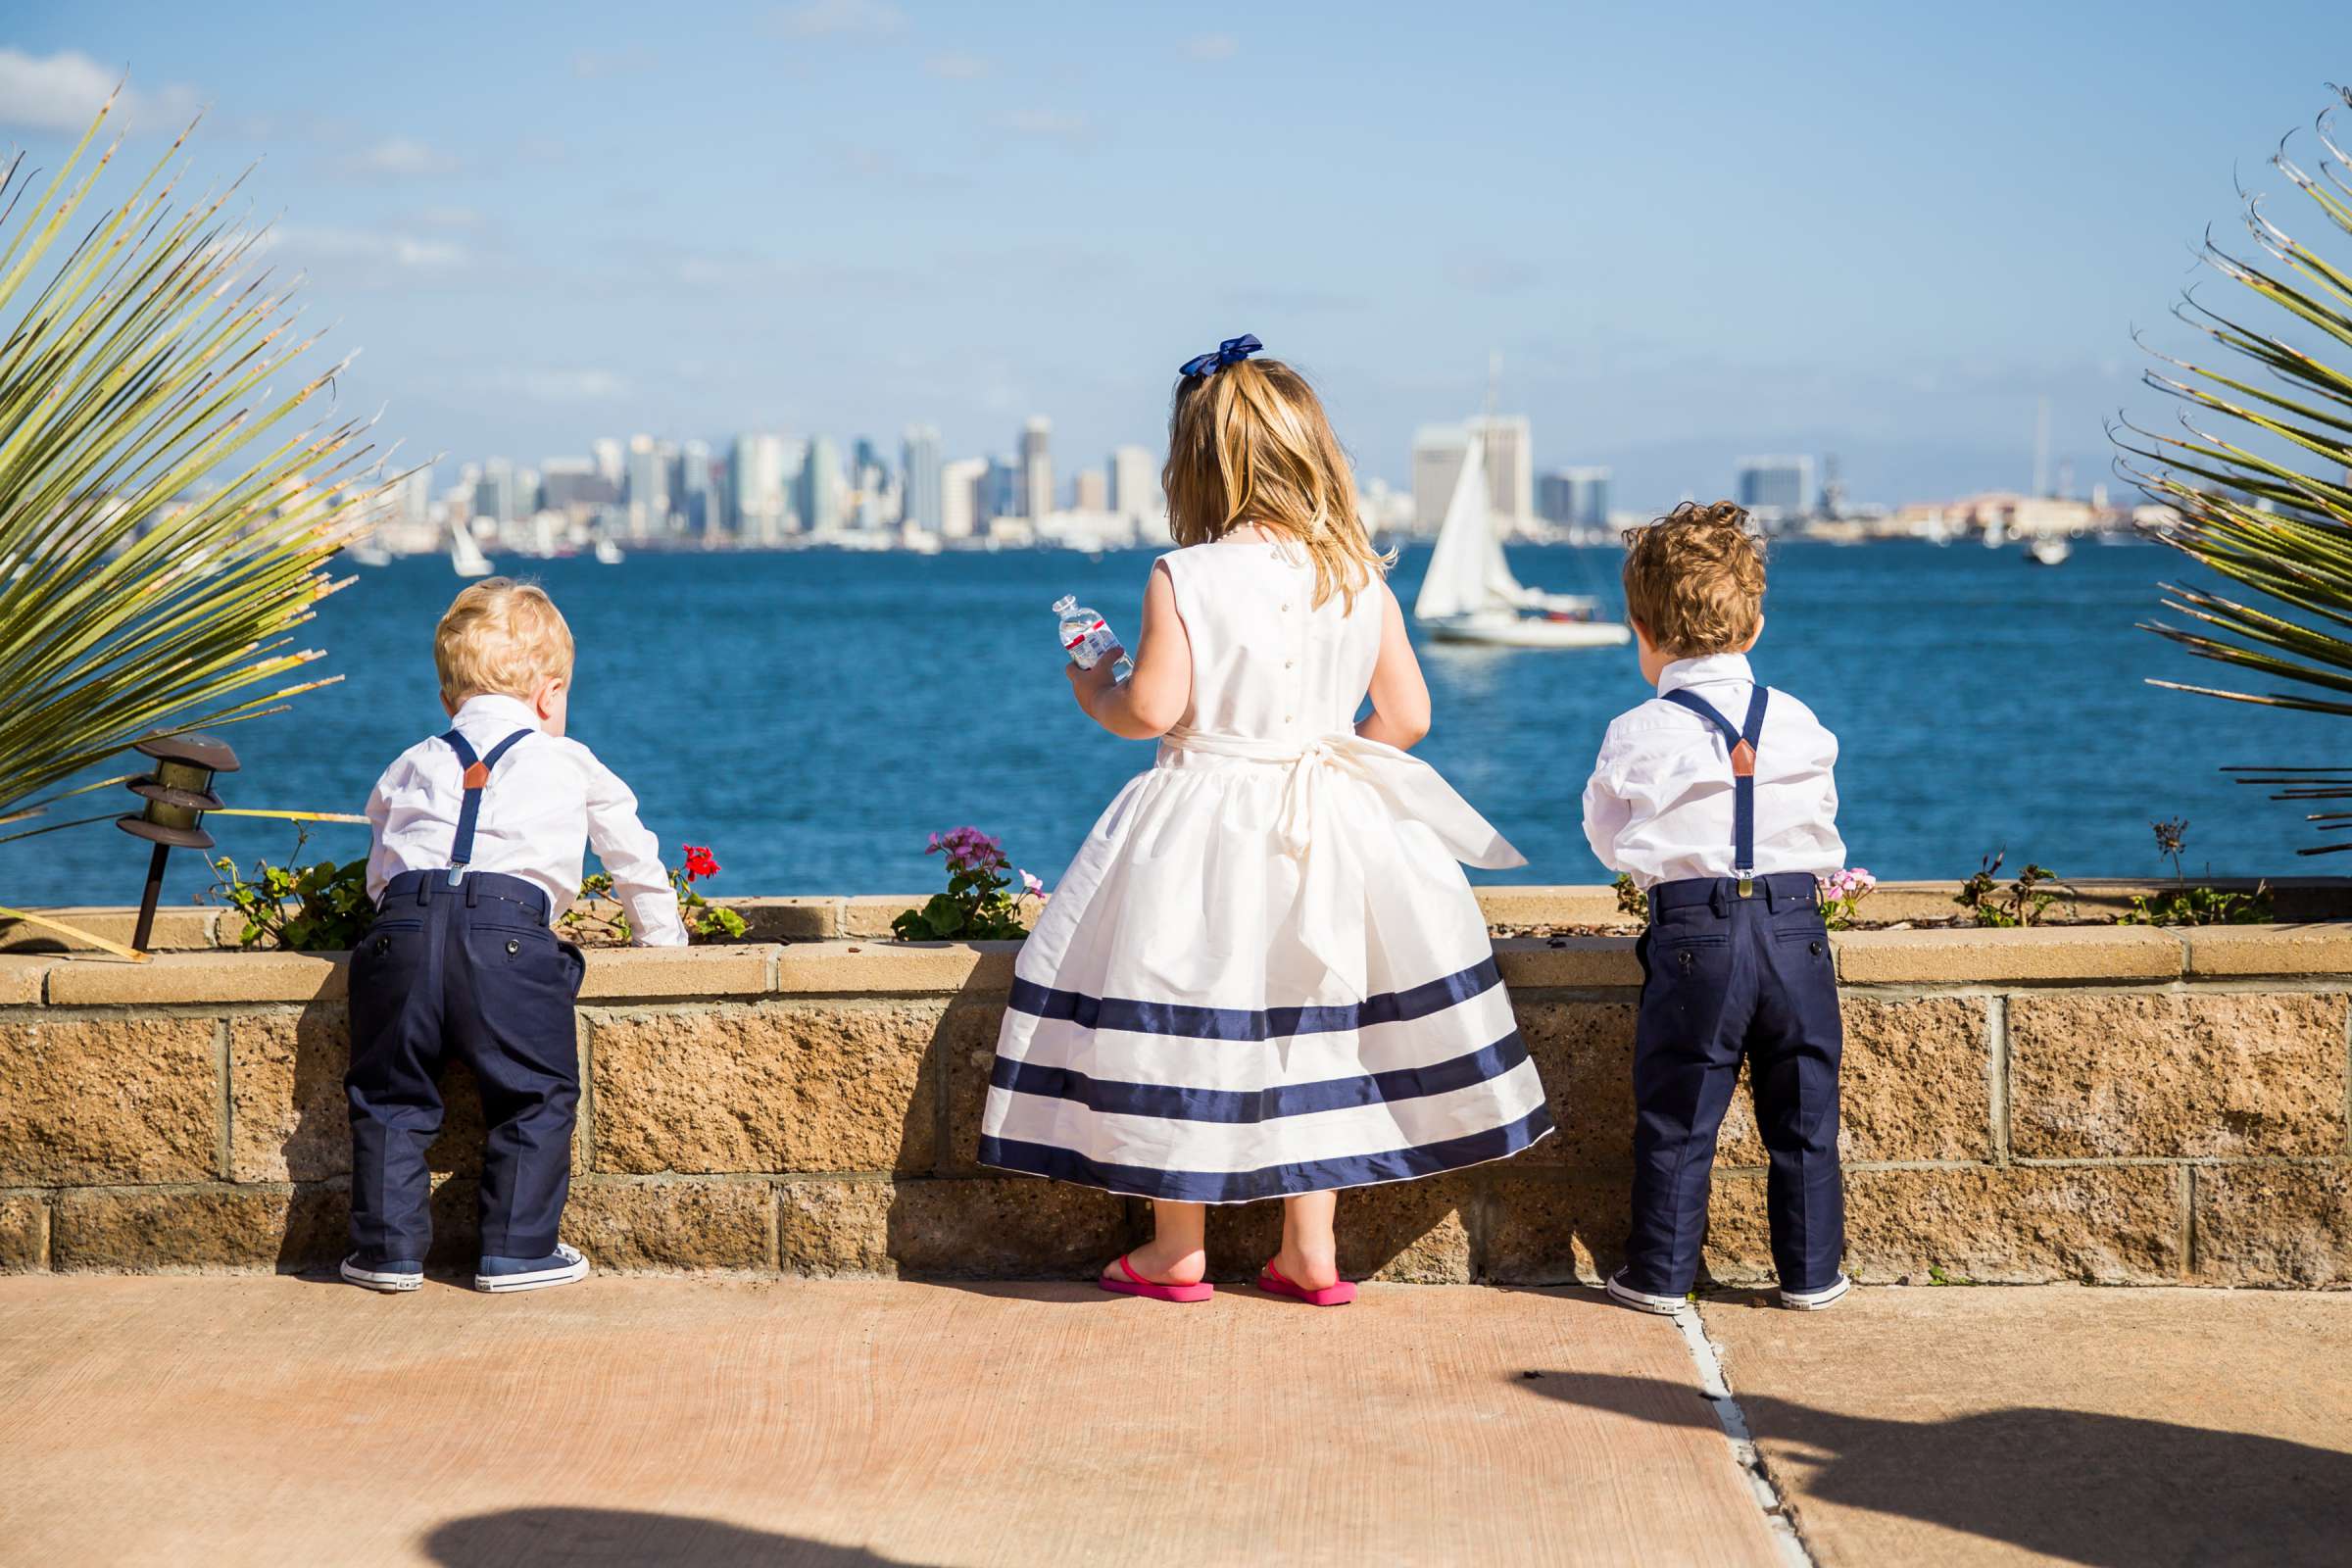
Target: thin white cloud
(61,92)
(841,19)
(373,247)
(958,66)
(399,157)
(448,217)
(1211,46)
(1047,124)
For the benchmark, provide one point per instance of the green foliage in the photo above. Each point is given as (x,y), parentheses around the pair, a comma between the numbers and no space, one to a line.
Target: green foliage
(2195,905)
(154,557)
(321,907)
(978,904)
(704,920)
(1631,900)
(2259,482)
(2022,903)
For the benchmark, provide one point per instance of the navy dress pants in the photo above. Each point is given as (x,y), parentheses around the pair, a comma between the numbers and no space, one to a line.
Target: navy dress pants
(471,968)
(1727,977)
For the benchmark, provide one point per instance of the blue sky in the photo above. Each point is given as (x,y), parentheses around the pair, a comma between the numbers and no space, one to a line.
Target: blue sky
(1692,233)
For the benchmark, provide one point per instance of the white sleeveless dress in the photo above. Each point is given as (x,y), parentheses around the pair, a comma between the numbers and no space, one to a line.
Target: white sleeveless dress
(1264,973)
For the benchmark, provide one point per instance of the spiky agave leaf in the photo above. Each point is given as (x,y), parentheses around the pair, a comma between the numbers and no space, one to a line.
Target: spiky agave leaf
(166,516)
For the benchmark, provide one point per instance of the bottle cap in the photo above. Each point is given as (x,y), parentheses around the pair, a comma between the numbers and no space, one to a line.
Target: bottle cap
(1065,604)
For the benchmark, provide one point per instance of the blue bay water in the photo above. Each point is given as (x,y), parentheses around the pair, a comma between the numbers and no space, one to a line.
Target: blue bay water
(812,716)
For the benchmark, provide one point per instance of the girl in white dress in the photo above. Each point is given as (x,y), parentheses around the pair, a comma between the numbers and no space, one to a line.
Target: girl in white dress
(1263,975)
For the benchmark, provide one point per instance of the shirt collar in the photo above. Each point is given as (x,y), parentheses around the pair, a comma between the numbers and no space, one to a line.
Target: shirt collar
(1712,669)
(495,707)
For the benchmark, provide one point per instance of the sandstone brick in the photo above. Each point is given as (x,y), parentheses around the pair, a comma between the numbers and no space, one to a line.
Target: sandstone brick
(1409,1232)
(143,1230)
(1545,1230)
(1974,956)
(1536,963)
(2136,1073)
(834,1227)
(115,1099)
(1005,1228)
(23,1233)
(1584,1053)
(969,1041)
(773,1087)
(21,978)
(674,1225)
(289,1118)
(1914,1085)
(1535,906)
(869,914)
(2273,1224)
(177,928)
(895,968)
(184,978)
(726,969)
(788,919)
(2020,1225)
(2241,949)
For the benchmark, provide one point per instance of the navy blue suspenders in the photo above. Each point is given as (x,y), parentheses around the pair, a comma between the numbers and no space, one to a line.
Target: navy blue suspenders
(1743,745)
(476,777)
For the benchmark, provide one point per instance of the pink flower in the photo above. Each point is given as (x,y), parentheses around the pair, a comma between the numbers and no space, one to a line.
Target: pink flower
(1031,887)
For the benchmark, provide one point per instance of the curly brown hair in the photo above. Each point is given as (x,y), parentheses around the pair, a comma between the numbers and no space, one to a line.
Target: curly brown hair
(1694,579)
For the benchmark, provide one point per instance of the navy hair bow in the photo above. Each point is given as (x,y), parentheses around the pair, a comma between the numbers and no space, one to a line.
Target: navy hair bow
(1232,351)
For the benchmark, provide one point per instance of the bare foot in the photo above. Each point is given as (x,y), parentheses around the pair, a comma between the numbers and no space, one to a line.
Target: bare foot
(1309,1271)
(1164,1264)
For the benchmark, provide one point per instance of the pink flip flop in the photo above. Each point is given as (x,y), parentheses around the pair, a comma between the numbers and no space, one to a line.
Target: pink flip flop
(1136,1284)
(1271,1282)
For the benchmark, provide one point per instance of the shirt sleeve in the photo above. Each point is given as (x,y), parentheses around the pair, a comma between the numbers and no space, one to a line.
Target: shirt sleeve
(1606,812)
(632,855)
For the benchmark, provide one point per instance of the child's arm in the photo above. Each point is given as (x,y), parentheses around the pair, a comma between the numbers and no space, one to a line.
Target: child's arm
(1606,812)
(1150,703)
(633,858)
(1400,714)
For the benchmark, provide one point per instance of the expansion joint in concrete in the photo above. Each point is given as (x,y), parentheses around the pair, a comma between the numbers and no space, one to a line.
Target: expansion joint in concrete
(1707,1358)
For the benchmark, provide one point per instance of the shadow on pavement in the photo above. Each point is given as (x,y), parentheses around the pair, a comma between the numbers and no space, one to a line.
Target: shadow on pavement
(2116,1491)
(592,1536)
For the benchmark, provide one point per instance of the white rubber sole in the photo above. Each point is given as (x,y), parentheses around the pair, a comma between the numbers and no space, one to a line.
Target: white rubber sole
(389,1282)
(568,1273)
(1643,1301)
(1815,1300)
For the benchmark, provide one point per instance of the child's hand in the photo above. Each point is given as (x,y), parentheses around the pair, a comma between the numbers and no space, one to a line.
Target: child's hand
(1089,685)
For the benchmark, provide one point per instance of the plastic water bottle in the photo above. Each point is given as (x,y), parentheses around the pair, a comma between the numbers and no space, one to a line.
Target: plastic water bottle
(1086,636)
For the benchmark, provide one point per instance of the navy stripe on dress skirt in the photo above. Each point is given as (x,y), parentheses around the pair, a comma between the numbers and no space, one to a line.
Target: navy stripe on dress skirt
(1271,1181)
(1244,1023)
(1175,1103)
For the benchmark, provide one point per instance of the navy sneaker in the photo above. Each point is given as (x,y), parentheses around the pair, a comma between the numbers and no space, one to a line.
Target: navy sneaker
(562,1267)
(387,1274)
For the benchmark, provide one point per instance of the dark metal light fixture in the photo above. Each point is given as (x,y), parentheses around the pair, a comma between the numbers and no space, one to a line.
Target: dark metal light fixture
(177,794)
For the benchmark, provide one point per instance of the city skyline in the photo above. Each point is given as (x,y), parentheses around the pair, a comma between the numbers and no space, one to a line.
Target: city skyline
(800,217)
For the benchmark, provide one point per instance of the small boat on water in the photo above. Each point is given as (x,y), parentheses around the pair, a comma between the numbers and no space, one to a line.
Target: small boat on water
(2048,550)
(466,556)
(1470,595)
(367,553)
(607,554)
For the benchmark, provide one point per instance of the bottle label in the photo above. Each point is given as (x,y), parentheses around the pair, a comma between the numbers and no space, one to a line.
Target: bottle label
(1090,645)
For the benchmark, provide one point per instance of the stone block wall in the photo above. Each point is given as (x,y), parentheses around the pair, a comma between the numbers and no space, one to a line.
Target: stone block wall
(2117,1105)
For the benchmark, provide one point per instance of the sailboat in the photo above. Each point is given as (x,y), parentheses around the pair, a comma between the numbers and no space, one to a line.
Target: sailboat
(1469,595)
(367,553)
(607,554)
(466,556)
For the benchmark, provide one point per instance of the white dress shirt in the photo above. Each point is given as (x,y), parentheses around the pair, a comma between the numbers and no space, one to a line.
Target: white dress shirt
(1659,804)
(547,799)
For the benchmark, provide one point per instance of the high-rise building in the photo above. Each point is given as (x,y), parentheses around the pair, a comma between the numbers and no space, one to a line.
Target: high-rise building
(1134,483)
(820,488)
(574,484)
(756,474)
(1037,467)
(1438,451)
(694,499)
(494,493)
(1777,487)
(1001,490)
(649,463)
(960,497)
(609,460)
(919,462)
(1574,497)
(1090,491)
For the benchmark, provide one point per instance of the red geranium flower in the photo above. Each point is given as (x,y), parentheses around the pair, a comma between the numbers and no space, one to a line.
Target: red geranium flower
(699,863)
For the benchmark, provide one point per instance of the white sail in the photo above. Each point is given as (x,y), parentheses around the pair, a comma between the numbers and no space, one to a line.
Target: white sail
(465,558)
(1467,571)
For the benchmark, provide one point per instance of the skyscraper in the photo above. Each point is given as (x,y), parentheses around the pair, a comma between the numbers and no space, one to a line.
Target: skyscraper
(494,492)
(1438,451)
(648,486)
(919,461)
(1001,490)
(820,486)
(1090,491)
(1574,497)
(960,497)
(755,472)
(1037,467)
(1510,470)
(694,499)
(1134,483)
(1777,487)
